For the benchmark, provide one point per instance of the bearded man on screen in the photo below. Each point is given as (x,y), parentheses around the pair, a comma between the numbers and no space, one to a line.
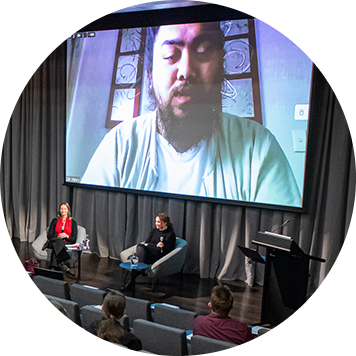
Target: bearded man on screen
(188,145)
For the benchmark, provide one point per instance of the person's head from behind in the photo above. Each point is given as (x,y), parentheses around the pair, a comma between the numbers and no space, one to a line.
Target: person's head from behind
(221,301)
(113,309)
(186,77)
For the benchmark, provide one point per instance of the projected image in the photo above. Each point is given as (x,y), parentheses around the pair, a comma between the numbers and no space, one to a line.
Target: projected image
(204,110)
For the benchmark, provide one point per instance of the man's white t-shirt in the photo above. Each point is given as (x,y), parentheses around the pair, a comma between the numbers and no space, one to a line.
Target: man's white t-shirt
(180,172)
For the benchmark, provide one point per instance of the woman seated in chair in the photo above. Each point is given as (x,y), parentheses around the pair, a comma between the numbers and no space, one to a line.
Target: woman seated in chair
(160,241)
(62,231)
(109,327)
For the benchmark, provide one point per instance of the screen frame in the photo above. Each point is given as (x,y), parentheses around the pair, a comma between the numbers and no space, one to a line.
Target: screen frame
(192,14)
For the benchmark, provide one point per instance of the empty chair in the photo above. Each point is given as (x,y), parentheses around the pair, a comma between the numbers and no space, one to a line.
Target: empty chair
(161,339)
(72,308)
(203,345)
(52,287)
(138,309)
(177,318)
(92,313)
(86,295)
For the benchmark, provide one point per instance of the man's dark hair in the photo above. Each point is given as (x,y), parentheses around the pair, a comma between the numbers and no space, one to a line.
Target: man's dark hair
(222,300)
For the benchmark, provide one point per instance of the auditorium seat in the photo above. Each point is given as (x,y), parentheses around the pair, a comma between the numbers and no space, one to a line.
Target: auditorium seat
(72,308)
(86,295)
(161,339)
(174,317)
(138,309)
(203,345)
(52,287)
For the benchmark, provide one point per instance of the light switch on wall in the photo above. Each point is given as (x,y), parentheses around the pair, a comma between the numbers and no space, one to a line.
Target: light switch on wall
(301,112)
(299,140)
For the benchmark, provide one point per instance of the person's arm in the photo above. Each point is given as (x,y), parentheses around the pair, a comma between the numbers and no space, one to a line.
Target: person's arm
(52,229)
(102,169)
(276,183)
(133,343)
(149,237)
(169,242)
(73,236)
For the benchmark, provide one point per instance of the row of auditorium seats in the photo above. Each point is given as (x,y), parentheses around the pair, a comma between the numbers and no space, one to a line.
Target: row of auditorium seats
(150,325)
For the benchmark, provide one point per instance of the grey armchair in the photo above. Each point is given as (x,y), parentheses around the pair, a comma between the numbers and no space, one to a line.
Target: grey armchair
(169,264)
(46,254)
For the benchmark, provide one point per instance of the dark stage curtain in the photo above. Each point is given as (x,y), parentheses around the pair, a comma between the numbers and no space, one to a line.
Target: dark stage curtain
(32,174)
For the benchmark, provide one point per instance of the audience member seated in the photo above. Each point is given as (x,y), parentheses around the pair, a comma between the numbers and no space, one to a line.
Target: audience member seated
(109,327)
(218,325)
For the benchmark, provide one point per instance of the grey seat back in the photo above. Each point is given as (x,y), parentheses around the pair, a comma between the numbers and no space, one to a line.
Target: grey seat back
(85,295)
(161,339)
(138,309)
(71,308)
(203,345)
(178,318)
(52,287)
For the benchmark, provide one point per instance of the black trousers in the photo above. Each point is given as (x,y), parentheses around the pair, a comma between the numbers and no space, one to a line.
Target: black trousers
(59,251)
(148,254)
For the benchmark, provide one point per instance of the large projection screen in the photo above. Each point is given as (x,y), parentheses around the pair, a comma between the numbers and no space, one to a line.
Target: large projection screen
(243,143)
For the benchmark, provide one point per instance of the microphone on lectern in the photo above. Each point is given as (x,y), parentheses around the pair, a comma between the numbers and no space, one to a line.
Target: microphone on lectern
(285,223)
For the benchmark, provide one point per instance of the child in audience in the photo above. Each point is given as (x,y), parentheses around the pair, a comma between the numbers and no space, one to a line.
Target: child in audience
(110,328)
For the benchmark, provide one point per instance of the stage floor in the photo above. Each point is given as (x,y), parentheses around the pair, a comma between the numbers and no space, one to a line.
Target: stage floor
(193,294)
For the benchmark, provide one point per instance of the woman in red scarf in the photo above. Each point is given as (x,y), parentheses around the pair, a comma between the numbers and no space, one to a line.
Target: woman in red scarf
(62,231)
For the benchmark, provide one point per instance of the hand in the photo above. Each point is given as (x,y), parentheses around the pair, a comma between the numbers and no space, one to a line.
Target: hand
(63,235)
(160,244)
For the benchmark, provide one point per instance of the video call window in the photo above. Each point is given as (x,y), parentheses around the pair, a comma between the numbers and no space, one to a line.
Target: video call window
(260,106)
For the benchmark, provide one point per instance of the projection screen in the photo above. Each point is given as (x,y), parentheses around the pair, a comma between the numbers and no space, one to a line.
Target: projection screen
(235,130)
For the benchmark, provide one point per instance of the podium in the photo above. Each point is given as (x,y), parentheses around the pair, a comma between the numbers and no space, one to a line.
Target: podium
(286,276)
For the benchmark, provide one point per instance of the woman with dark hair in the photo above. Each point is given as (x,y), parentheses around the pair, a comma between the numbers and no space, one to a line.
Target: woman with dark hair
(110,328)
(160,241)
(62,231)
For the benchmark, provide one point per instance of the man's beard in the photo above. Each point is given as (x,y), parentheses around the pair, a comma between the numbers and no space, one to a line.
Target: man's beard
(196,121)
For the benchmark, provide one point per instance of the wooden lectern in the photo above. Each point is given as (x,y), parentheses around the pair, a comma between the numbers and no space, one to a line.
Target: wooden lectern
(286,277)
